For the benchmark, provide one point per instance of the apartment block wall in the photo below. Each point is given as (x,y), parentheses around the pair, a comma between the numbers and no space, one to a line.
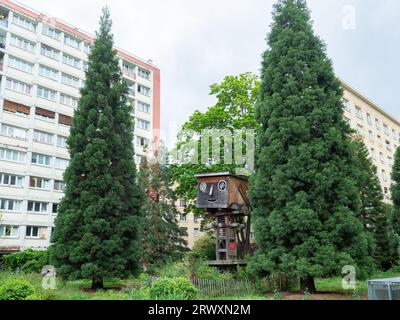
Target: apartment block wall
(32,146)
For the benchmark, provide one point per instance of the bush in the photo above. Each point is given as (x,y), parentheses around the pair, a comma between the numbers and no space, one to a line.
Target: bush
(174,270)
(26,261)
(16,289)
(204,248)
(173,289)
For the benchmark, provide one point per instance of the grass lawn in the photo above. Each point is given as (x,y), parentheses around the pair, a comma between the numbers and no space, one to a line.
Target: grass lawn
(329,289)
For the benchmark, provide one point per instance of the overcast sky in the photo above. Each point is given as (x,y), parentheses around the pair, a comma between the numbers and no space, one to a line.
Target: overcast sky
(199,42)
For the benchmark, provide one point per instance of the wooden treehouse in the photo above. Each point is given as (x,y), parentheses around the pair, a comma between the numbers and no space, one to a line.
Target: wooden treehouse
(224,198)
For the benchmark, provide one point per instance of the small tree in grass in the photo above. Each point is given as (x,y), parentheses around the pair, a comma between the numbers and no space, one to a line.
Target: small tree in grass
(306,202)
(97,230)
(162,236)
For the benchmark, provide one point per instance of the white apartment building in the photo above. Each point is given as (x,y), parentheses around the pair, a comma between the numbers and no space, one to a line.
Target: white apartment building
(42,67)
(379,130)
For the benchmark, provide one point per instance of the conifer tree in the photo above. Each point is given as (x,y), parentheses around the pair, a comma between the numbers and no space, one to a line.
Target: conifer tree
(374,213)
(97,230)
(395,214)
(306,203)
(162,236)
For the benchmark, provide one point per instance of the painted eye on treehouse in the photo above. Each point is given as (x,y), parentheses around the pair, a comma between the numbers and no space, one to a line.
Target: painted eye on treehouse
(222,185)
(203,187)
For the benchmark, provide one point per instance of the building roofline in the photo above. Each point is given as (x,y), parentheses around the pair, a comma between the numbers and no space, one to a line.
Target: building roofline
(368,101)
(66,27)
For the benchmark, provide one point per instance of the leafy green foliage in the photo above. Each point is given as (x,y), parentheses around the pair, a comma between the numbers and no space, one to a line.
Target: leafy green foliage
(162,236)
(173,289)
(204,248)
(236,98)
(306,203)
(374,213)
(97,230)
(16,289)
(26,261)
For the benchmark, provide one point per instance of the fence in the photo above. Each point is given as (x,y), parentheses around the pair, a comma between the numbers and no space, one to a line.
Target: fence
(216,288)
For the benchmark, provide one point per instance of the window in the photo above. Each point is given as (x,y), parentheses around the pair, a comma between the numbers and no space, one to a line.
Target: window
(373,154)
(18,86)
(143,142)
(65,120)
(24,22)
(22,43)
(10,205)
(12,155)
(17,108)
(386,129)
(129,69)
(369,119)
(43,137)
(62,163)
(71,61)
(11,180)
(41,159)
(196,232)
(346,104)
(195,219)
(59,185)
(384,178)
(9,231)
(143,90)
(131,88)
(381,157)
(68,100)
(55,207)
(86,47)
(48,72)
(143,124)
(183,217)
(359,113)
(49,52)
(144,107)
(39,183)
(360,129)
(44,114)
(13,132)
(71,41)
(20,64)
(182,203)
(36,232)
(144,73)
(377,124)
(85,66)
(371,135)
(69,80)
(37,207)
(61,141)
(46,93)
(139,159)
(388,146)
(51,32)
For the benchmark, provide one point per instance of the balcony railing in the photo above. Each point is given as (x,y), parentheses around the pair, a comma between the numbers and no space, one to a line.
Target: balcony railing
(129,74)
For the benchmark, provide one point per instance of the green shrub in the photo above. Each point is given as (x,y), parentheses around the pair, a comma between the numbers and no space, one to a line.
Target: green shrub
(204,248)
(173,289)
(174,270)
(16,289)
(26,261)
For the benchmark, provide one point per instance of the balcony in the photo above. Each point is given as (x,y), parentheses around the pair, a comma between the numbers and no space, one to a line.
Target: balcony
(3,18)
(129,74)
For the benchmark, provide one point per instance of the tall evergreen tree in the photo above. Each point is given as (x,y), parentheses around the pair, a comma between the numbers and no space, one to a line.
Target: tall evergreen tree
(97,231)
(374,213)
(306,202)
(395,215)
(162,236)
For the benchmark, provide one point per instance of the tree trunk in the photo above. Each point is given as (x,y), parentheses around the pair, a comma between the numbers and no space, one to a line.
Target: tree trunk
(307,284)
(97,283)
